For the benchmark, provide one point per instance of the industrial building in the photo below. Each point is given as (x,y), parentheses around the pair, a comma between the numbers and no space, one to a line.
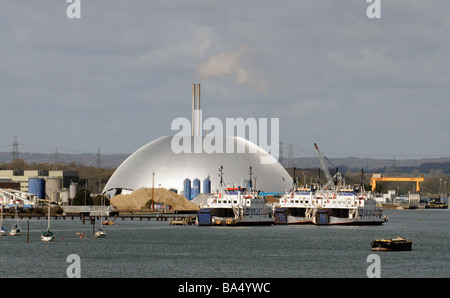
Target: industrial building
(155,164)
(190,173)
(53,185)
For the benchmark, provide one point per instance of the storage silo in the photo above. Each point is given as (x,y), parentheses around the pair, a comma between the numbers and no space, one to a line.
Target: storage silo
(206,186)
(36,186)
(64,195)
(195,188)
(187,188)
(73,189)
(52,188)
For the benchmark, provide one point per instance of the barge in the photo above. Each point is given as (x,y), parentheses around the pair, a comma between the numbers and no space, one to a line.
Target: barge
(394,244)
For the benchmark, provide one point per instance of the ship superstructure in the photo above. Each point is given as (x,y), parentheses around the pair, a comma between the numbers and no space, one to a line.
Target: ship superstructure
(235,206)
(333,203)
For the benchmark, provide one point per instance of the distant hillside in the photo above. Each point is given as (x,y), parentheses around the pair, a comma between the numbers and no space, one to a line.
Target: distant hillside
(112,161)
(107,161)
(424,165)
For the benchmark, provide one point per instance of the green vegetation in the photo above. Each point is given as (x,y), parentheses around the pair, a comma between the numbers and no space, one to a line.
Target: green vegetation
(96,177)
(437,177)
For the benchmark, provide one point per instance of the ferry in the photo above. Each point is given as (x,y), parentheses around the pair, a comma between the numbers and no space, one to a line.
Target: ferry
(235,207)
(313,205)
(330,204)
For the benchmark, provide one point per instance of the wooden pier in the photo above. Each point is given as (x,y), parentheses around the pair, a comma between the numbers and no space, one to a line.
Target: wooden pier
(185,219)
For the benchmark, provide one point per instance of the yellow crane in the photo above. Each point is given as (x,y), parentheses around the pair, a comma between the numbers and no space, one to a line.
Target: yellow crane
(378,177)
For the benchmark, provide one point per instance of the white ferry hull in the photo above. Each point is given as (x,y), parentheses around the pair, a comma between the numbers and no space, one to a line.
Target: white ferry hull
(352,221)
(298,220)
(235,210)
(328,209)
(294,220)
(228,221)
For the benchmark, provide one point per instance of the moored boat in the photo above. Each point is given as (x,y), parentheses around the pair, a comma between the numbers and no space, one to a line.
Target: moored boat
(326,207)
(393,244)
(15,231)
(234,206)
(329,204)
(100,233)
(47,236)
(3,230)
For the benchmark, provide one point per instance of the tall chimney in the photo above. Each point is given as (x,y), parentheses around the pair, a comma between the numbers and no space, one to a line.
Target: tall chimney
(193,111)
(195,129)
(198,110)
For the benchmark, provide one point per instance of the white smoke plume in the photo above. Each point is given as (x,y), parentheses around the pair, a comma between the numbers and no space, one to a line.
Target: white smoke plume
(232,63)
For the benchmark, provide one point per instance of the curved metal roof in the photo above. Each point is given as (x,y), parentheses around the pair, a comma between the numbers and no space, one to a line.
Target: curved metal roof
(171,169)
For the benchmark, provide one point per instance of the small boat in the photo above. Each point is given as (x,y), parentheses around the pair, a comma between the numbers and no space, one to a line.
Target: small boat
(100,233)
(48,235)
(436,203)
(15,230)
(393,244)
(3,231)
(108,222)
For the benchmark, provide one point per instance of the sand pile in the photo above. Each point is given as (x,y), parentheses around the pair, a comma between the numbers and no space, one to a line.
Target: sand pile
(137,200)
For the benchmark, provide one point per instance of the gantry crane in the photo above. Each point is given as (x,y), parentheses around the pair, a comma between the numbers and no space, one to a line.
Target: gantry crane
(378,177)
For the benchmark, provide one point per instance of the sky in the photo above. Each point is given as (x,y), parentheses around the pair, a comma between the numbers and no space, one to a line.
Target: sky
(118,76)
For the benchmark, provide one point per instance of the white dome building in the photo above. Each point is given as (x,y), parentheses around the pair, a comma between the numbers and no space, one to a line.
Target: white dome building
(158,161)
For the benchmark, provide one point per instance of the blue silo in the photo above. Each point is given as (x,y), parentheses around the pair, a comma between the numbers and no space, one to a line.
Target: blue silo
(207,185)
(36,186)
(187,188)
(195,188)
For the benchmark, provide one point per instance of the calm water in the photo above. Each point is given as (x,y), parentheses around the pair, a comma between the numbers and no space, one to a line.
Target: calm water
(155,249)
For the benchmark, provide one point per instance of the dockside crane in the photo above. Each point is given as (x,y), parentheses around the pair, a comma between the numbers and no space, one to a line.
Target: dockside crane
(330,179)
